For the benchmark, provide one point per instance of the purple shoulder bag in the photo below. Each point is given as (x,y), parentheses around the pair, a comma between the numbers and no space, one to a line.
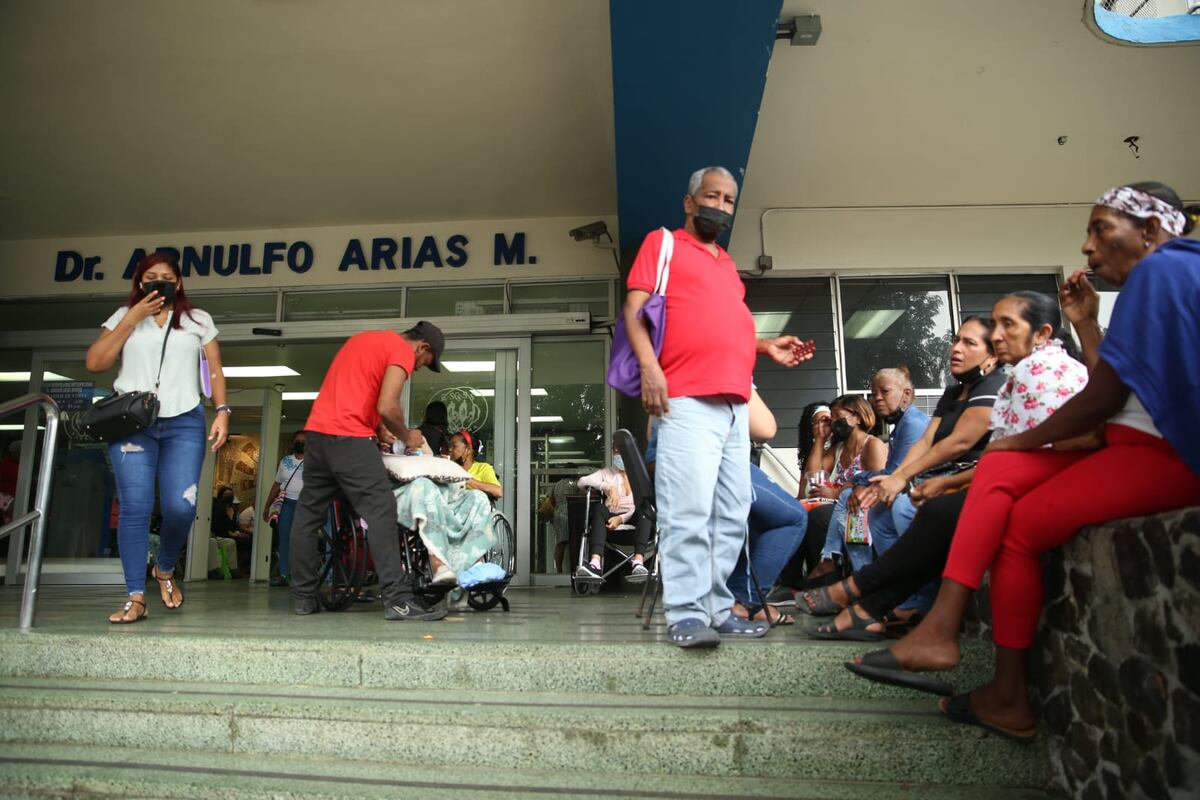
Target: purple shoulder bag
(624,373)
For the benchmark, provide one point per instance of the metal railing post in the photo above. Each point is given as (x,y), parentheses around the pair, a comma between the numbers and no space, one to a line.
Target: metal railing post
(41,503)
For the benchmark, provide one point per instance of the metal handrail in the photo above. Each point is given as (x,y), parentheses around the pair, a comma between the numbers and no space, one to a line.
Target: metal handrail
(36,517)
(766,448)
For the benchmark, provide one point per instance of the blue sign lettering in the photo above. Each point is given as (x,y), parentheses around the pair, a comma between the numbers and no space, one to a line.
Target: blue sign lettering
(383,251)
(428,254)
(294,262)
(272,252)
(509,253)
(456,246)
(197,263)
(353,257)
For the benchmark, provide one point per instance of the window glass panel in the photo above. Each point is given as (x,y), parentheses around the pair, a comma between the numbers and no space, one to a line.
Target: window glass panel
(591,296)
(467,301)
(40,315)
(240,307)
(802,308)
(352,303)
(567,432)
(978,293)
(891,322)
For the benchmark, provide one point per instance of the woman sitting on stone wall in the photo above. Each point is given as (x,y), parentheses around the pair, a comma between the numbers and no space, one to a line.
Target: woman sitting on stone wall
(1145,391)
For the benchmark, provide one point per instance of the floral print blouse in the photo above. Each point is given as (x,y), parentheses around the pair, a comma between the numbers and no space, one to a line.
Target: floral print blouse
(1037,386)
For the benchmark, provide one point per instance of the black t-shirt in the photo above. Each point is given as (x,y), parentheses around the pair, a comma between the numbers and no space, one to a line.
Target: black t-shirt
(436,438)
(982,394)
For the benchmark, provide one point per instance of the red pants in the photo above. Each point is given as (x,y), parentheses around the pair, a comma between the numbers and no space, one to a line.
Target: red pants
(1022,504)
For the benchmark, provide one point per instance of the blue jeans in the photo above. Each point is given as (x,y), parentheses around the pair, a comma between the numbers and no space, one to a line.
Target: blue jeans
(777,524)
(835,535)
(702,488)
(172,449)
(284,528)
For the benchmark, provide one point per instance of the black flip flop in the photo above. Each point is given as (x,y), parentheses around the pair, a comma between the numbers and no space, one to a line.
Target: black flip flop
(857,632)
(882,667)
(958,709)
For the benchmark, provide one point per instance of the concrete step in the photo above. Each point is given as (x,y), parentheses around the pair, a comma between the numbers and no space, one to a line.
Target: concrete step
(426,658)
(55,771)
(811,738)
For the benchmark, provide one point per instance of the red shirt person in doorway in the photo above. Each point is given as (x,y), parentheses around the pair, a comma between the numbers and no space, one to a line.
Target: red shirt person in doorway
(359,401)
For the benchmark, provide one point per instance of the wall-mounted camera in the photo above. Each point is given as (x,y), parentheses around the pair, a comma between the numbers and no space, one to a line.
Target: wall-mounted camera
(593,230)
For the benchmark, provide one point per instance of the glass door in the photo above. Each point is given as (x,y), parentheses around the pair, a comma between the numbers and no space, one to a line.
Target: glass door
(479,388)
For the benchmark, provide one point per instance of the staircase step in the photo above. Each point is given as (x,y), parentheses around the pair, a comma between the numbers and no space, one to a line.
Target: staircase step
(817,738)
(71,772)
(421,656)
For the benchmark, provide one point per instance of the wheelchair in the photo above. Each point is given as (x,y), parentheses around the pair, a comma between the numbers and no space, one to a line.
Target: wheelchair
(345,552)
(619,544)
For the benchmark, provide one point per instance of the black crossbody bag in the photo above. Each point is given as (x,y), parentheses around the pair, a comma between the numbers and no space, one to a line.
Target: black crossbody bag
(126,413)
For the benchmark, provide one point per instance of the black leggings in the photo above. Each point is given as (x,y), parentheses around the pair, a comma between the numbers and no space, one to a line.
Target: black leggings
(917,557)
(598,521)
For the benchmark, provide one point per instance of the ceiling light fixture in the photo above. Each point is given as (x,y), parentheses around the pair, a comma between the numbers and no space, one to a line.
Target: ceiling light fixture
(277,371)
(23,377)
(469,366)
(300,395)
(553,418)
(871,324)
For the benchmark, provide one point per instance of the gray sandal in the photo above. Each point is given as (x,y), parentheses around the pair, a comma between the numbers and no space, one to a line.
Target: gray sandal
(819,603)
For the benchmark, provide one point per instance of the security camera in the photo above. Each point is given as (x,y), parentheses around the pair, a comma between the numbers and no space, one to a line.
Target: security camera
(593,230)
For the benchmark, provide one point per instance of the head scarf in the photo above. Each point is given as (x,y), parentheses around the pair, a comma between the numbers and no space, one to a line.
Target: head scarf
(1143,206)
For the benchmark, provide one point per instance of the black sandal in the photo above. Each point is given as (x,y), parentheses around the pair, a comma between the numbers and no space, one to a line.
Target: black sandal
(857,632)
(170,586)
(130,603)
(822,603)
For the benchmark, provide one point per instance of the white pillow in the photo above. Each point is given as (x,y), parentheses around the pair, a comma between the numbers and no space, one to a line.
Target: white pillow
(404,469)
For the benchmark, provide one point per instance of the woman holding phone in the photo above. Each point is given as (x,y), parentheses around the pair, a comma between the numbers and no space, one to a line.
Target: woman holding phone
(159,325)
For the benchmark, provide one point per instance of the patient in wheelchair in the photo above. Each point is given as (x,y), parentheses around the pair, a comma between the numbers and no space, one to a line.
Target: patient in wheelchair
(616,509)
(452,520)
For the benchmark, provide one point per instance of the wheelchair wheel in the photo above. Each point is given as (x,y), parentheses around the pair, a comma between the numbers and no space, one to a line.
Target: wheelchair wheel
(487,597)
(344,558)
(504,552)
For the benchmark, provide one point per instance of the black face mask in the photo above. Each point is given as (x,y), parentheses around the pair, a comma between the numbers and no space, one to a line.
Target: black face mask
(298,448)
(711,222)
(841,430)
(971,375)
(894,417)
(165,289)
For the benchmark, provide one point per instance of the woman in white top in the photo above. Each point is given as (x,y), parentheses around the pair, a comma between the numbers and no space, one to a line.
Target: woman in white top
(172,449)
(289,481)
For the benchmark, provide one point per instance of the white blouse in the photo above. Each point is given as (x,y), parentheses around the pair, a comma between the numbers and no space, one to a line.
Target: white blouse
(179,387)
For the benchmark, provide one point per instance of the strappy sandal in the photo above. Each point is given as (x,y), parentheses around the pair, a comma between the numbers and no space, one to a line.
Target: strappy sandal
(897,627)
(857,632)
(773,615)
(819,602)
(125,609)
(167,588)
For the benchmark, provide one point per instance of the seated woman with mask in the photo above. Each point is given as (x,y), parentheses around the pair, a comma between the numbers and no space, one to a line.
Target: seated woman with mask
(1045,374)
(953,441)
(616,508)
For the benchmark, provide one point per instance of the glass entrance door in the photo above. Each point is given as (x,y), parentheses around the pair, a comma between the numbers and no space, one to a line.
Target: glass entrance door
(480,390)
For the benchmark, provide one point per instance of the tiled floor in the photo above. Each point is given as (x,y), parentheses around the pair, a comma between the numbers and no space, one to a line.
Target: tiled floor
(549,614)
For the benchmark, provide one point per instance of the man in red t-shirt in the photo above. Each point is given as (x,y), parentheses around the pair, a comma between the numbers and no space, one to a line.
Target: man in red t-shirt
(699,385)
(359,402)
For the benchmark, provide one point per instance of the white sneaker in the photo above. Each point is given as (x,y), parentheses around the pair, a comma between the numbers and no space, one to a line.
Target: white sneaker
(444,576)
(638,574)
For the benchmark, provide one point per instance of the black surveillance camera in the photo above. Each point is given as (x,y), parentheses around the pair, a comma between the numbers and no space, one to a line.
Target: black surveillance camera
(593,230)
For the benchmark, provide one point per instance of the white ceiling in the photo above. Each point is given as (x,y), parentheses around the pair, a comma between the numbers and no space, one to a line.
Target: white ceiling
(951,102)
(165,115)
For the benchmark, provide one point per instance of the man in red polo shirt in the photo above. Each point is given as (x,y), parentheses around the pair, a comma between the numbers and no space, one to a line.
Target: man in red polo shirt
(358,401)
(699,386)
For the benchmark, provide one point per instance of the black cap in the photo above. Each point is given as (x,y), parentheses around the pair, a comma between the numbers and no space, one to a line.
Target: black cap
(432,335)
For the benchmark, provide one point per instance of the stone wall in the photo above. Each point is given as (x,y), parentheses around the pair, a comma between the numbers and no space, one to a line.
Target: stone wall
(1118,660)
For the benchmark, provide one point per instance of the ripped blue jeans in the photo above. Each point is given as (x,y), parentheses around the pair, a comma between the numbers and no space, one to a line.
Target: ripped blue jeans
(171,451)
